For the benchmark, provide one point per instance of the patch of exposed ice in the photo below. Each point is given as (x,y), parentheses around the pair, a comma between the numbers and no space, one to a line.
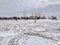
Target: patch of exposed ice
(34,40)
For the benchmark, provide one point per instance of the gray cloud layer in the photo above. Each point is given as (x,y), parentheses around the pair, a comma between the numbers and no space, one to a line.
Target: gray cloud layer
(15,5)
(7,6)
(12,6)
(28,4)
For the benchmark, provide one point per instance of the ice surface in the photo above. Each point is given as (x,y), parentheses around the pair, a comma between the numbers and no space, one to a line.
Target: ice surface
(28,32)
(39,41)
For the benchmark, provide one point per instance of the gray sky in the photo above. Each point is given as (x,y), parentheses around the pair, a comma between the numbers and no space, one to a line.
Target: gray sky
(12,7)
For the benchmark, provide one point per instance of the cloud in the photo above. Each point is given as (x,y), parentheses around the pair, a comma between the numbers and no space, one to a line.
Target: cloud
(7,6)
(30,4)
(54,1)
(12,6)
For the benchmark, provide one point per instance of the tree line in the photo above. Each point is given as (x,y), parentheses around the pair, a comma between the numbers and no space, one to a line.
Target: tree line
(28,18)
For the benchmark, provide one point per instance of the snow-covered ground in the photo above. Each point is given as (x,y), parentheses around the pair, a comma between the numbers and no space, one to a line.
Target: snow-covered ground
(28,32)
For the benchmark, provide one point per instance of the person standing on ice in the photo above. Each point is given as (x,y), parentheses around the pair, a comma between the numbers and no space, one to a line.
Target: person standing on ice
(35,21)
(35,18)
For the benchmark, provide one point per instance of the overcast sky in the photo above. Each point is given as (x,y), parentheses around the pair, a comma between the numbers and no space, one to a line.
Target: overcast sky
(30,4)
(11,7)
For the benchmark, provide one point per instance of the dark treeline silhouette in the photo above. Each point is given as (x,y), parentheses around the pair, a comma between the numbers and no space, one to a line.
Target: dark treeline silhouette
(28,18)
(52,18)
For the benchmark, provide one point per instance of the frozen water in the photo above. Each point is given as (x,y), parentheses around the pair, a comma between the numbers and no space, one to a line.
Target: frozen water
(39,41)
(28,32)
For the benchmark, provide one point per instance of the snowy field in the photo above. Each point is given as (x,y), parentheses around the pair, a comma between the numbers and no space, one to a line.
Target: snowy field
(28,32)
